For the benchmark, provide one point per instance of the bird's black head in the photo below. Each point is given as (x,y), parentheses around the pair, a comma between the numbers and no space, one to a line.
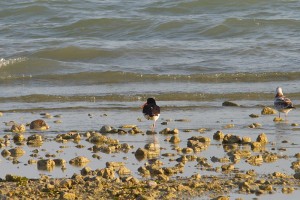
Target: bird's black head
(151,101)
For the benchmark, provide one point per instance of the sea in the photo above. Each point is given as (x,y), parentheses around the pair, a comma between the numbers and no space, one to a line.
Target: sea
(95,62)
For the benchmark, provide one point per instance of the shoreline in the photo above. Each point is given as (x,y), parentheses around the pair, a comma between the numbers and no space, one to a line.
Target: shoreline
(123,162)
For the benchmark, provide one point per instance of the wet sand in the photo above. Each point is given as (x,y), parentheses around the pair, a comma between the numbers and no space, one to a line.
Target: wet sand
(125,163)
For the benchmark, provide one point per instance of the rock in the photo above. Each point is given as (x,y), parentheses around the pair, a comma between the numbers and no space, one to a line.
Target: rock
(79,161)
(268,111)
(255,160)
(39,125)
(105,129)
(229,103)
(47,164)
(262,138)
(231,139)
(297,175)
(246,140)
(19,138)
(14,178)
(115,165)
(128,126)
(17,152)
(85,171)
(1,114)
(107,173)
(124,171)
(16,128)
(219,135)
(169,131)
(5,153)
(278,119)
(254,125)
(151,184)
(253,115)
(175,139)
(59,162)
(67,196)
(35,140)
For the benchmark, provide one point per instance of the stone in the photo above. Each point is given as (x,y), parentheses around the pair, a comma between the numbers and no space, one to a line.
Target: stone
(175,139)
(105,129)
(47,164)
(39,125)
(268,111)
(18,128)
(17,152)
(79,161)
(67,196)
(262,138)
(229,103)
(219,135)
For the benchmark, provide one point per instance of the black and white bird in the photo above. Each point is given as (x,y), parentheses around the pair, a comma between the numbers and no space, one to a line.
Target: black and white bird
(281,103)
(151,111)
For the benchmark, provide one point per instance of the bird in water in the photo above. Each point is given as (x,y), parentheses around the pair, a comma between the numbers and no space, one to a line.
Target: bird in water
(282,103)
(151,111)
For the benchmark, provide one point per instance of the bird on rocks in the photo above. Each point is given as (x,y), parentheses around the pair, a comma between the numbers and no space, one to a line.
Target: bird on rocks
(151,111)
(282,103)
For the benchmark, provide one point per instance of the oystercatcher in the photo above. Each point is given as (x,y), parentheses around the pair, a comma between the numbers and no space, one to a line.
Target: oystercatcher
(151,111)
(281,103)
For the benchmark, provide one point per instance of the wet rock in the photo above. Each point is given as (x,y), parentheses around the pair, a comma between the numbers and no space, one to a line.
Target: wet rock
(246,140)
(128,126)
(295,165)
(39,125)
(231,139)
(269,157)
(14,178)
(105,129)
(18,128)
(47,164)
(17,152)
(59,162)
(167,131)
(227,167)
(135,130)
(297,175)
(294,124)
(262,138)
(227,126)
(35,140)
(256,160)
(253,115)
(219,135)
(19,138)
(107,173)
(79,161)
(278,119)
(85,171)
(175,139)
(115,165)
(230,103)
(268,111)
(254,125)
(67,196)
(1,114)
(150,151)
(124,171)
(5,153)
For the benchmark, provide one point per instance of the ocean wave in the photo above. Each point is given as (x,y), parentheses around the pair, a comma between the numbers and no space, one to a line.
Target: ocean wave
(99,77)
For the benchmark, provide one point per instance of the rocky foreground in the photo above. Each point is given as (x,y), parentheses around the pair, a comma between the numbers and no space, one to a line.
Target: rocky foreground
(156,181)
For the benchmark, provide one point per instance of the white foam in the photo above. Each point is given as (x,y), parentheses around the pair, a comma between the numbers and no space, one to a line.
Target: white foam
(5,62)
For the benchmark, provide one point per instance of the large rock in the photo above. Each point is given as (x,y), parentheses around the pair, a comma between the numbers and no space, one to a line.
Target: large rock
(39,125)
(268,111)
